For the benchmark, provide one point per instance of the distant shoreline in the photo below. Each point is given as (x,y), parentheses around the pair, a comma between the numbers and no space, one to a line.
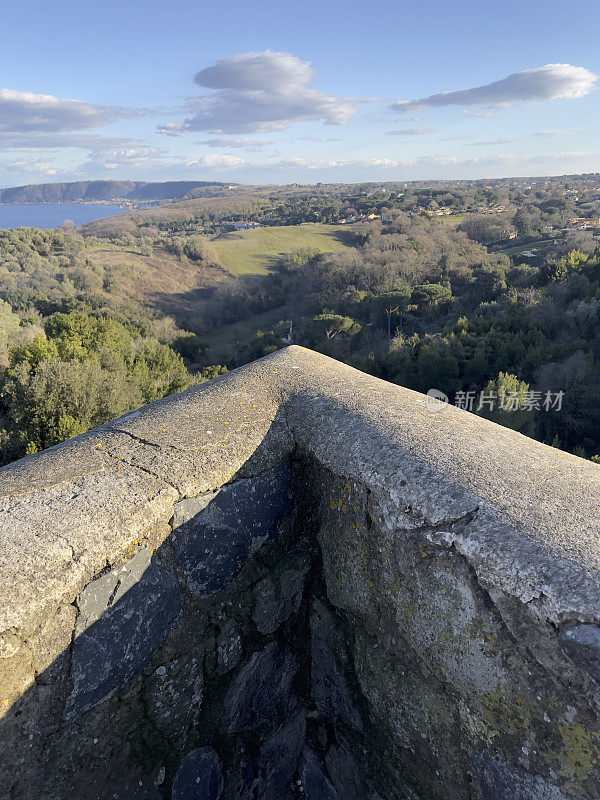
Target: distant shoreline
(53,215)
(114,203)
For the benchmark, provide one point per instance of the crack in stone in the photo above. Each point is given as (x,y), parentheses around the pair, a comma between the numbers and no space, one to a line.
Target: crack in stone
(110,455)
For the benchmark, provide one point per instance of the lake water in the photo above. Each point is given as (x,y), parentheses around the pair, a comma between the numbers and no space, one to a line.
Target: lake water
(52,215)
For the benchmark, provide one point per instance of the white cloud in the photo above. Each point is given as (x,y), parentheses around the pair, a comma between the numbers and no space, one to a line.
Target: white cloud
(488,142)
(23,112)
(411,132)
(257,92)
(549,82)
(453,138)
(224,162)
(469,112)
(173,129)
(38,166)
(286,170)
(218,161)
(501,161)
(38,140)
(320,139)
(550,134)
(242,144)
(384,163)
(130,158)
(296,161)
(269,71)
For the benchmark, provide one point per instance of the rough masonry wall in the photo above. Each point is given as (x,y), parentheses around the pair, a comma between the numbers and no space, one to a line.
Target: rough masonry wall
(210,666)
(467,696)
(296,581)
(177,673)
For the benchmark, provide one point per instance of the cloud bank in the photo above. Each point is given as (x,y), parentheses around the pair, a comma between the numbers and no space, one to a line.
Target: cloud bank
(129,157)
(25,112)
(411,132)
(220,161)
(240,144)
(550,134)
(550,82)
(38,140)
(258,92)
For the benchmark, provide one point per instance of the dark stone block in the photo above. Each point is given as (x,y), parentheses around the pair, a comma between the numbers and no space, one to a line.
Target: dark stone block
(498,781)
(239,775)
(107,782)
(199,777)
(345,774)
(315,782)
(216,535)
(228,648)
(125,615)
(260,691)
(278,759)
(331,689)
(279,596)
(173,696)
(582,643)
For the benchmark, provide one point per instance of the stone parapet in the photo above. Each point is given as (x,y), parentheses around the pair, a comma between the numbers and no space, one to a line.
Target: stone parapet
(296,577)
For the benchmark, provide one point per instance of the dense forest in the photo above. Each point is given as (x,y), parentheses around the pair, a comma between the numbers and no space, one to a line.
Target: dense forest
(427,308)
(71,357)
(468,288)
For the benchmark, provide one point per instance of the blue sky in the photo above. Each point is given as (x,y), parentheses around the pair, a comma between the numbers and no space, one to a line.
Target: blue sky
(279,92)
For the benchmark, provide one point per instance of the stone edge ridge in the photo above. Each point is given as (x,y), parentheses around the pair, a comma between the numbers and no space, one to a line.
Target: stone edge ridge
(525,515)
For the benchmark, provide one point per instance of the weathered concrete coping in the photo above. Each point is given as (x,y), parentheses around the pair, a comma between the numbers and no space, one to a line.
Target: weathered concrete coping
(525,515)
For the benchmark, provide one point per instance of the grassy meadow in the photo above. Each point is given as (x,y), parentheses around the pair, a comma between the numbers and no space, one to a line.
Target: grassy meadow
(254,252)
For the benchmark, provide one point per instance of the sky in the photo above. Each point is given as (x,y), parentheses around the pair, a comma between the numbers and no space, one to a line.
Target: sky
(282,92)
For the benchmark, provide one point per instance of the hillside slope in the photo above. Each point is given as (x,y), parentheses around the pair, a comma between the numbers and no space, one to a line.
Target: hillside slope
(102,191)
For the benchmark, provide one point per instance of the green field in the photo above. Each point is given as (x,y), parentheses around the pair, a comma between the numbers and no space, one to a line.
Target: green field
(525,248)
(254,252)
(453,219)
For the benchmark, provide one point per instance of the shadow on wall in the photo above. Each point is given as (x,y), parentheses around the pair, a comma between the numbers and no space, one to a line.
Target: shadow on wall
(188,674)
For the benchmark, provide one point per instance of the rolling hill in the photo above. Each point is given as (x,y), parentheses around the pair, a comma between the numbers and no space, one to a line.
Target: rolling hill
(90,191)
